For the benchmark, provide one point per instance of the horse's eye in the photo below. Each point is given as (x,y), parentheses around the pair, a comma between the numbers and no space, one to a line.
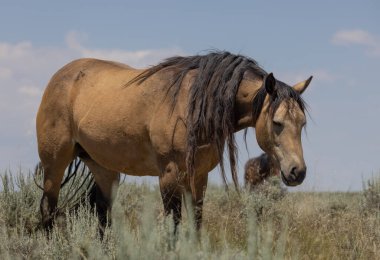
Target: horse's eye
(277,127)
(277,124)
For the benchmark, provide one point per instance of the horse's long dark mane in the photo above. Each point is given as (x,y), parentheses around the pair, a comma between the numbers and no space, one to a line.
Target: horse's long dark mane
(211,104)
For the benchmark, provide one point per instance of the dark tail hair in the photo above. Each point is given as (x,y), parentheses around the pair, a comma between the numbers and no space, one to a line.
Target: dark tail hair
(77,187)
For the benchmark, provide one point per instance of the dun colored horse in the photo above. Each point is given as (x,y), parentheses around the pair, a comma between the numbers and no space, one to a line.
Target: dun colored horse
(172,120)
(258,169)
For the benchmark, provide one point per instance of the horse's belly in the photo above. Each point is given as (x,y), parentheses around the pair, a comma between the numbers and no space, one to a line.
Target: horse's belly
(122,154)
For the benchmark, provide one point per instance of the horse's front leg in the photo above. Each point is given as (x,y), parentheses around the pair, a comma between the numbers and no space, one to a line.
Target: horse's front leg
(171,192)
(198,198)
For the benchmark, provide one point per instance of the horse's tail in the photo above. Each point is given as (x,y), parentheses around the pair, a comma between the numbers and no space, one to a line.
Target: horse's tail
(77,187)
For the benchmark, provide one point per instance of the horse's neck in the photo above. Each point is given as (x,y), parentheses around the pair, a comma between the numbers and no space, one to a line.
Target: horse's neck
(246,93)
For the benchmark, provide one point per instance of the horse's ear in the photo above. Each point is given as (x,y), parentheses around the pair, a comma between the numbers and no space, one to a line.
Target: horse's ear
(301,86)
(270,84)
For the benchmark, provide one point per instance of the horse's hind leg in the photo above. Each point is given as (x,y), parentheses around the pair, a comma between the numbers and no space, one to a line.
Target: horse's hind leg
(106,181)
(55,157)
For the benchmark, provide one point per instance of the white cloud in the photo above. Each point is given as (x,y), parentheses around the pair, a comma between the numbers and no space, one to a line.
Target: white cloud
(10,51)
(358,37)
(31,91)
(139,58)
(25,70)
(74,40)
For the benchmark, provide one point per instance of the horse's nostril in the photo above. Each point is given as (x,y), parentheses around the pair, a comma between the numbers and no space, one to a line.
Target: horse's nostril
(301,175)
(297,175)
(293,173)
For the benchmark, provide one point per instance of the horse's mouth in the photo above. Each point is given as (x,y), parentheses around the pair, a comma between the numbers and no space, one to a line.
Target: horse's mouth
(285,180)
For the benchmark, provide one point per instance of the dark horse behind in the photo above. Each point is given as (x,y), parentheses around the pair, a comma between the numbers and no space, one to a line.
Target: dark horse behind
(258,169)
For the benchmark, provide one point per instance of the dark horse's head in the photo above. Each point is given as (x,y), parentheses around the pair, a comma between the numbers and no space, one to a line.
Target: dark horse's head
(279,126)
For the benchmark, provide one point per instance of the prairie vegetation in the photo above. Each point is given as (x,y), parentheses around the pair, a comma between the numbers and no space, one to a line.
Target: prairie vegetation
(270,223)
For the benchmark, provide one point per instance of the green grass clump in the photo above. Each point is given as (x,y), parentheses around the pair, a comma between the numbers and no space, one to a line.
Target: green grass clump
(268,223)
(371,194)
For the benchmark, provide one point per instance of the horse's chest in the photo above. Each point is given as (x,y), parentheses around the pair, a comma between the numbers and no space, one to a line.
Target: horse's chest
(206,158)
(169,139)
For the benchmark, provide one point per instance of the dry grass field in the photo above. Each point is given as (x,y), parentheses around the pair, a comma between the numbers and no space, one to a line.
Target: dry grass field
(270,223)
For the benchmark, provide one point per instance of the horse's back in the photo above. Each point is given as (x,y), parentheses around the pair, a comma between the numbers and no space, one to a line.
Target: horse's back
(71,74)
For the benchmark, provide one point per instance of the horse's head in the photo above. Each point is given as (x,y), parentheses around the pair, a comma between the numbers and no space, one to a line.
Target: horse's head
(279,127)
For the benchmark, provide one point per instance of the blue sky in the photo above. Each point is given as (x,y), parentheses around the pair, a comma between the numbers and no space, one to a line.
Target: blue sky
(336,42)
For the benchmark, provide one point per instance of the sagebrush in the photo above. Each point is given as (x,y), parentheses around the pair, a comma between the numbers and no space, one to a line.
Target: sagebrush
(269,223)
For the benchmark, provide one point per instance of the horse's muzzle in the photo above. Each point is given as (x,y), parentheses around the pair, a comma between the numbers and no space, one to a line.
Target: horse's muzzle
(295,177)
